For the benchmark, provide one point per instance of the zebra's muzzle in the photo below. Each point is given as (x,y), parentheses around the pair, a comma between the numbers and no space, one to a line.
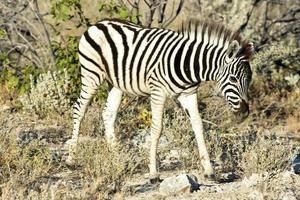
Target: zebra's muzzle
(243,111)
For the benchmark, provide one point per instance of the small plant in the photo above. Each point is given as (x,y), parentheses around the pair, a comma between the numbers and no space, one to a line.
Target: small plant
(104,166)
(266,154)
(48,94)
(145,116)
(65,10)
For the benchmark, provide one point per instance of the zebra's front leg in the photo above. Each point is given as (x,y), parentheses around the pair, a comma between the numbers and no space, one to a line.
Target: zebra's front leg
(110,113)
(190,104)
(157,106)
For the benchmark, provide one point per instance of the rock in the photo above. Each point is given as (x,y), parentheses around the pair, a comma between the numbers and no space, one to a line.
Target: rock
(289,195)
(252,180)
(24,138)
(296,164)
(143,140)
(255,195)
(184,183)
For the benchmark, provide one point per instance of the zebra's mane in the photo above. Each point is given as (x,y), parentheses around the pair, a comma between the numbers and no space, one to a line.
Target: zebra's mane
(216,30)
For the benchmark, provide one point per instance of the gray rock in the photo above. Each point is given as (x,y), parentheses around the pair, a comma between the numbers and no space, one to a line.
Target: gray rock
(143,140)
(24,138)
(289,195)
(256,195)
(252,181)
(296,164)
(184,183)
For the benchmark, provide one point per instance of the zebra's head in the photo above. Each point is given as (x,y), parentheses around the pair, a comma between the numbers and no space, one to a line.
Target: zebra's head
(235,77)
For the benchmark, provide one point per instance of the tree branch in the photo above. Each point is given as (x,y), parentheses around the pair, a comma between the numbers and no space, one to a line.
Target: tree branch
(47,35)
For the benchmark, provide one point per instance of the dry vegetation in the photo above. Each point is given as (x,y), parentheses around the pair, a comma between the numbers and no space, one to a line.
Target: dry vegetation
(35,113)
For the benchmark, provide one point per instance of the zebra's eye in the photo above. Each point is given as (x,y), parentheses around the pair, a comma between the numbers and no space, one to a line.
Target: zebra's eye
(233,79)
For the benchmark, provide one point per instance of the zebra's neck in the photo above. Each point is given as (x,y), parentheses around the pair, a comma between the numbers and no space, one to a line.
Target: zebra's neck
(203,55)
(212,41)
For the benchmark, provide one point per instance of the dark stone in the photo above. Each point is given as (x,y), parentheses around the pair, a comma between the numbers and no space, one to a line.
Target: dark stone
(296,164)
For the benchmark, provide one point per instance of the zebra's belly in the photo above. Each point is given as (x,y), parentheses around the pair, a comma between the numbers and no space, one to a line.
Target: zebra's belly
(134,89)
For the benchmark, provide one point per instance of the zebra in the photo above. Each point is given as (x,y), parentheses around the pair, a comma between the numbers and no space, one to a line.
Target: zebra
(161,64)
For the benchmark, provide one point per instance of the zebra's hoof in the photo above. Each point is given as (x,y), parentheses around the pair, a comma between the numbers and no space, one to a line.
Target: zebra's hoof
(155,179)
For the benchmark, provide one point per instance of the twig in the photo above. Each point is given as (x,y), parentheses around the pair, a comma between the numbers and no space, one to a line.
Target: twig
(249,14)
(209,122)
(173,17)
(40,18)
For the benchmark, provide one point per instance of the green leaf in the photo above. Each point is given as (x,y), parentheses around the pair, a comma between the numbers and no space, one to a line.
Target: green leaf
(12,82)
(64,12)
(2,34)
(123,13)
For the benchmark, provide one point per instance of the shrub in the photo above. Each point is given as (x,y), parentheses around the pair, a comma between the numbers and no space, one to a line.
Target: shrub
(280,66)
(48,94)
(267,154)
(104,167)
(22,166)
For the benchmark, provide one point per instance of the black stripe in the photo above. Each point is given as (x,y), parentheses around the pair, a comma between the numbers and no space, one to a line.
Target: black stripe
(177,61)
(133,58)
(218,61)
(113,47)
(90,60)
(126,50)
(204,59)
(155,31)
(187,61)
(98,50)
(230,90)
(164,50)
(154,49)
(162,76)
(170,66)
(197,62)
(149,57)
(83,90)
(92,72)
(83,97)
(222,58)
(134,30)
(211,66)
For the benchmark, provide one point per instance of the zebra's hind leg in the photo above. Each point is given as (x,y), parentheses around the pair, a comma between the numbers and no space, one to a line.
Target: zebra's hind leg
(189,103)
(110,113)
(80,106)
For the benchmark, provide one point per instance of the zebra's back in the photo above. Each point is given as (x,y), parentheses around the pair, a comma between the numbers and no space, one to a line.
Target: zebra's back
(123,53)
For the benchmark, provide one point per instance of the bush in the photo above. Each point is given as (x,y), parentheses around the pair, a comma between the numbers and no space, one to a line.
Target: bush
(104,167)
(48,94)
(22,166)
(279,64)
(266,154)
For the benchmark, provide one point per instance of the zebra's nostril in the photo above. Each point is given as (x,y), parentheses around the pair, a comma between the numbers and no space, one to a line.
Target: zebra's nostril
(244,108)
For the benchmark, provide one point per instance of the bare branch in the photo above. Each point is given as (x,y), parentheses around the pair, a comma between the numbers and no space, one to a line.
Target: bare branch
(249,14)
(173,16)
(47,35)
(153,5)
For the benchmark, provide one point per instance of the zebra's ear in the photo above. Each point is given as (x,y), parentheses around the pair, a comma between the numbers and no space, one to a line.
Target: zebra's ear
(233,49)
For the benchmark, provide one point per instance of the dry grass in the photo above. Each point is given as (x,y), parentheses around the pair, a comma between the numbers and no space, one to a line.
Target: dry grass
(36,169)
(266,154)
